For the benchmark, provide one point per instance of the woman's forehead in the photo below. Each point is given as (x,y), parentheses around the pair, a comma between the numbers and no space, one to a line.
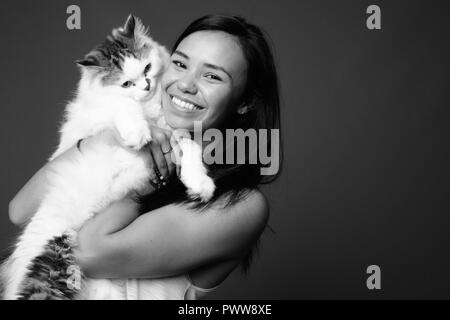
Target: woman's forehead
(216,48)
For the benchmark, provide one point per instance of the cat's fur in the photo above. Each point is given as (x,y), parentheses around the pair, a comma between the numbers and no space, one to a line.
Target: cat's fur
(39,267)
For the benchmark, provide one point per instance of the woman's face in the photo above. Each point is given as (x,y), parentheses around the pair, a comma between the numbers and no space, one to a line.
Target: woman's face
(205,80)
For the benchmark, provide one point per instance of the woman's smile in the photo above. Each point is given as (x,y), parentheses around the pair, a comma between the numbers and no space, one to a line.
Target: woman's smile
(184,105)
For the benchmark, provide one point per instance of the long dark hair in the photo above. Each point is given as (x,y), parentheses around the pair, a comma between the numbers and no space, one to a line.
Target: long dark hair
(235,181)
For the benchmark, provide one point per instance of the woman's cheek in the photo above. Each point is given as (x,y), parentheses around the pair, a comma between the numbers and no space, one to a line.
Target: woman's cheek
(168,77)
(219,101)
(216,114)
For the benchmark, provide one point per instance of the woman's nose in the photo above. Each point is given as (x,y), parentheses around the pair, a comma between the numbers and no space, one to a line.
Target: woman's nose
(187,84)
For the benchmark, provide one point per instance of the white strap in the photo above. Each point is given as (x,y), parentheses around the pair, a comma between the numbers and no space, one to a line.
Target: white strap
(201,289)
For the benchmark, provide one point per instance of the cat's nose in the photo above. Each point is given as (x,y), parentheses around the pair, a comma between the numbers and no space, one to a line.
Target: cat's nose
(147,88)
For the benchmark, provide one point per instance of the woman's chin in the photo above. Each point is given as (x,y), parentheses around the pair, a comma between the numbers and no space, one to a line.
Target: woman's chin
(178,122)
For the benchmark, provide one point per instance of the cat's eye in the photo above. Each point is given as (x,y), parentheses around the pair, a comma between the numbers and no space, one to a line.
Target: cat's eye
(127,84)
(147,68)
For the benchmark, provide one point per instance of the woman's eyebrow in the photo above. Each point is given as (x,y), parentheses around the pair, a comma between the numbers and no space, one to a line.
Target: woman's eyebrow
(184,55)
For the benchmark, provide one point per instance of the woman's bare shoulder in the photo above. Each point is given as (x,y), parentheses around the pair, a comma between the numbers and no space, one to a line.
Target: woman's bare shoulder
(254,208)
(251,212)
(241,223)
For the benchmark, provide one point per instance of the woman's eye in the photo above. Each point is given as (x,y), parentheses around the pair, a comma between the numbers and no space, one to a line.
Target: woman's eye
(179,64)
(126,84)
(213,77)
(147,68)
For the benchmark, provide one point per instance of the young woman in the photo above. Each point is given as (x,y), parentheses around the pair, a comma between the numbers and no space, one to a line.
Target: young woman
(172,247)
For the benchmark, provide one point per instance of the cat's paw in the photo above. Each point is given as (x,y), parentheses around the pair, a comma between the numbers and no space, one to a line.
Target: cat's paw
(201,188)
(193,173)
(135,136)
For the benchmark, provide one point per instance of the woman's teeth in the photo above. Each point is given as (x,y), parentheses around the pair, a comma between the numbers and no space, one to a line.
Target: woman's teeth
(184,104)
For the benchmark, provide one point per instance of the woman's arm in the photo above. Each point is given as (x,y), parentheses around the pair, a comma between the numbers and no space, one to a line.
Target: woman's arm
(27,200)
(170,240)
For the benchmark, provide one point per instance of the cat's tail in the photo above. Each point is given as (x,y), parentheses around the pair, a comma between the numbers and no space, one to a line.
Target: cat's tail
(54,274)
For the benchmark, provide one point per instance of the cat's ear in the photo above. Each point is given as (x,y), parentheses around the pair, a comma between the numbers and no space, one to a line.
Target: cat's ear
(128,28)
(139,29)
(85,63)
(91,61)
(132,29)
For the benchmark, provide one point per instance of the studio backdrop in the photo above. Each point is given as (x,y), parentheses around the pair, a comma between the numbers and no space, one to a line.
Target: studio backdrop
(364,187)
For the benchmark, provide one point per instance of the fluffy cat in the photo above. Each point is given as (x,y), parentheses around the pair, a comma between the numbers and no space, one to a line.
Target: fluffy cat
(119,93)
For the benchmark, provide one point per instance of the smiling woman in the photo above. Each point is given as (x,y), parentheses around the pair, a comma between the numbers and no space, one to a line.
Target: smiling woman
(163,245)
(205,80)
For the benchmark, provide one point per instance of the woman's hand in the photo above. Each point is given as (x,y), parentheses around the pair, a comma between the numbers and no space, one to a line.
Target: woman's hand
(160,148)
(159,155)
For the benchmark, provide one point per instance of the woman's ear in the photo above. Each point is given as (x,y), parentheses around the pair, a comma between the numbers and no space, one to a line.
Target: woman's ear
(244,108)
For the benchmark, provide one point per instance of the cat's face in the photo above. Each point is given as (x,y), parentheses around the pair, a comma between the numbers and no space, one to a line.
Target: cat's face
(128,63)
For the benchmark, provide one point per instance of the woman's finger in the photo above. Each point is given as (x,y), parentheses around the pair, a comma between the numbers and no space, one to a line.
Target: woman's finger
(158,144)
(159,160)
(167,151)
(154,179)
(165,141)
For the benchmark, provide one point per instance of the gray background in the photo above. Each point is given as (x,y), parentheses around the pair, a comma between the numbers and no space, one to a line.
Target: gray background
(365,125)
